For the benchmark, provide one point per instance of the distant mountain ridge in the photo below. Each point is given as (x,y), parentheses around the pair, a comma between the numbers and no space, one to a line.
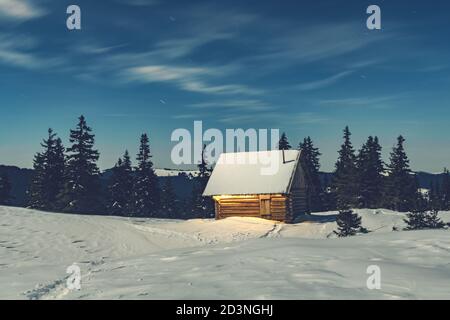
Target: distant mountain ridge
(20,179)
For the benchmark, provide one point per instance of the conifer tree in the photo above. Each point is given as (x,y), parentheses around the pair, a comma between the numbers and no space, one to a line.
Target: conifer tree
(81,192)
(433,221)
(48,178)
(401,185)
(202,206)
(146,192)
(420,218)
(36,198)
(311,166)
(349,223)
(57,173)
(5,190)
(344,184)
(283,144)
(435,197)
(169,201)
(445,191)
(120,187)
(370,174)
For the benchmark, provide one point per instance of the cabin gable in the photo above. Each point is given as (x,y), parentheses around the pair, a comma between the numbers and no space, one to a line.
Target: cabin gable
(297,196)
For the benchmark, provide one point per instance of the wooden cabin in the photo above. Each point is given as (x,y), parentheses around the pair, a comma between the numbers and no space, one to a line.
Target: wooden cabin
(240,187)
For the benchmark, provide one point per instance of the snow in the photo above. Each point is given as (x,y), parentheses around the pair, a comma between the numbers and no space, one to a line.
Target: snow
(234,258)
(173,172)
(259,172)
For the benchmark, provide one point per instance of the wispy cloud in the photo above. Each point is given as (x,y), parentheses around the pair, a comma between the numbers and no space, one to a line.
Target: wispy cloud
(168,60)
(193,79)
(186,116)
(202,87)
(95,49)
(315,43)
(20,10)
(318,84)
(17,50)
(380,101)
(161,73)
(180,47)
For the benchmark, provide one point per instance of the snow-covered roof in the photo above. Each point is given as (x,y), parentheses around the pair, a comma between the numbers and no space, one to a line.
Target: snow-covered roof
(261,172)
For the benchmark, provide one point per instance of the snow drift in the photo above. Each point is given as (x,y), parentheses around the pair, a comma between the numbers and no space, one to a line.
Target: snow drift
(235,258)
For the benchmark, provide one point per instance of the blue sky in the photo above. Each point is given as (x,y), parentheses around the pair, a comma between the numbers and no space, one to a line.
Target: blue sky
(306,67)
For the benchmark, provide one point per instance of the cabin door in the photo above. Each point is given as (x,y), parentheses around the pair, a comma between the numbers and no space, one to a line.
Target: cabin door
(265,206)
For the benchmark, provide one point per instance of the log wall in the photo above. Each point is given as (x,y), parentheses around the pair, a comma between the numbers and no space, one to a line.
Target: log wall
(252,206)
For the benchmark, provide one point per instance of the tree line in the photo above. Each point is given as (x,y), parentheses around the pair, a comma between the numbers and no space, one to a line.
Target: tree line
(5,190)
(361,179)
(68,180)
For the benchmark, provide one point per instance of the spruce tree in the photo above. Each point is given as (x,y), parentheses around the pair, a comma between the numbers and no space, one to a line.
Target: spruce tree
(420,218)
(169,201)
(370,174)
(48,178)
(81,192)
(445,191)
(311,166)
(344,184)
(401,185)
(433,221)
(120,187)
(5,190)
(146,193)
(435,197)
(57,173)
(36,194)
(349,223)
(202,207)
(283,144)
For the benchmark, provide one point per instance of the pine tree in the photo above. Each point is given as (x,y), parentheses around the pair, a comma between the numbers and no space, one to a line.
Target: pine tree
(81,192)
(169,200)
(445,191)
(48,178)
(401,185)
(56,174)
(311,166)
(146,193)
(370,174)
(420,218)
(5,190)
(344,184)
(349,223)
(36,194)
(202,206)
(433,221)
(120,187)
(435,197)
(283,144)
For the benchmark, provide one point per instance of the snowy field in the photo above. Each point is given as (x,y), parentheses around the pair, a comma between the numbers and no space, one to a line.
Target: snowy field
(235,258)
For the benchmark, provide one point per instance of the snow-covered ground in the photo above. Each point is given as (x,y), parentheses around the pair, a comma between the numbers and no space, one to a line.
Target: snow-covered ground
(173,172)
(235,258)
